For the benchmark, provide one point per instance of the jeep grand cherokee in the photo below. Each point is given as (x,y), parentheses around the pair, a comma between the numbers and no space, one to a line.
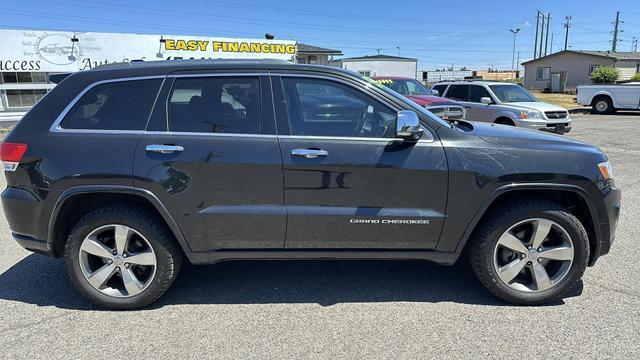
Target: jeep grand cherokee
(128,170)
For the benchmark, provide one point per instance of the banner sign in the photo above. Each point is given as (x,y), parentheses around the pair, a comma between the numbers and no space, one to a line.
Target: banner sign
(61,51)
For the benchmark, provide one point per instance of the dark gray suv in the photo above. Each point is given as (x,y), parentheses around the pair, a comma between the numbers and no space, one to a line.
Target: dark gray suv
(129,170)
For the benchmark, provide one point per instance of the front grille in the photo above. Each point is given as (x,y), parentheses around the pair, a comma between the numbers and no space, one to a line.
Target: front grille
(556,114)
(559,124)
(452,112)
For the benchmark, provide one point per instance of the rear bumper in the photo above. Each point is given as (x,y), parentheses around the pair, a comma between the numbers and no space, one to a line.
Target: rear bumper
(32,244)
(26,216)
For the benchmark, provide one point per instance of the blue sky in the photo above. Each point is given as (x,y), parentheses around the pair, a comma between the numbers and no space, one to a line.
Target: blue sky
(439,33)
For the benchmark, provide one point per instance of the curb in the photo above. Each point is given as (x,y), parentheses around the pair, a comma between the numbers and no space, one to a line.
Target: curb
(582,110)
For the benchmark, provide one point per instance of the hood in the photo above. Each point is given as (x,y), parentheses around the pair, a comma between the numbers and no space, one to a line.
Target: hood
(429,100)
(540,106)
(510,136)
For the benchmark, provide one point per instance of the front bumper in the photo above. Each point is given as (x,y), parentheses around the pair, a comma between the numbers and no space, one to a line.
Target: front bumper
(556,126)
(609,214)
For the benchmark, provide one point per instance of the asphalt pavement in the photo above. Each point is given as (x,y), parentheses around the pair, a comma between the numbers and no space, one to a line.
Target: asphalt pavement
(340,309)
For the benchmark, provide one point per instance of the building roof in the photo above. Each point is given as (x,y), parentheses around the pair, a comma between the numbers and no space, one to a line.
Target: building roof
(378,57)
(310,49)
(619,55)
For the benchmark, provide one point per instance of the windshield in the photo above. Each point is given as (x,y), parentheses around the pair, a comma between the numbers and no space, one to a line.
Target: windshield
(405,86)
(415,107)
(512,93)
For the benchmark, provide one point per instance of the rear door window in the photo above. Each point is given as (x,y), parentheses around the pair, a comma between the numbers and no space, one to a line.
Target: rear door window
(215,105)
(121,105)
(458,92)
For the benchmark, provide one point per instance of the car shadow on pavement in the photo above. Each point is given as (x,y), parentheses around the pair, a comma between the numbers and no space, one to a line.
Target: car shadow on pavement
(42,281)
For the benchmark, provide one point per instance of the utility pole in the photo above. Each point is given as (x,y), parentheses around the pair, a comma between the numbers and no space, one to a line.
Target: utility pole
(615,32)
(634,44)
(546,41)
(535,46)
(541,35)
(551,47)
(513,54)
(379,51)
(398,47)
(567,25)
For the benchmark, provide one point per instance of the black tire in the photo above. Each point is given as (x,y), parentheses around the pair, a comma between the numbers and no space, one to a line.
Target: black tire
(602,105)
(505,121)
(485,238)
(168,254)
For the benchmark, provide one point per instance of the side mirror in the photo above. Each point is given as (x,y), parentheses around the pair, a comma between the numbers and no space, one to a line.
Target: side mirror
(435,92)
(486,100)
(408,125)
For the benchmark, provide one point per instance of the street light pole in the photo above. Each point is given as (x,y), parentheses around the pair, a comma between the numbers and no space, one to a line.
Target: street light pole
(513,55)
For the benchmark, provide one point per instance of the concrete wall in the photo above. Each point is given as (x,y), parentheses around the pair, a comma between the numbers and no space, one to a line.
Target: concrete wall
(383,68)
(575,65)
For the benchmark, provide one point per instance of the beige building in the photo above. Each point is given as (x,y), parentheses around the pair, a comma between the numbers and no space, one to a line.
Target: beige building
(309,54)
(564,70)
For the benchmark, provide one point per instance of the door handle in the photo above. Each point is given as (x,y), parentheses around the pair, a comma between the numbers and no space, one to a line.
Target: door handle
(467,107)
(164,149)
(309,153)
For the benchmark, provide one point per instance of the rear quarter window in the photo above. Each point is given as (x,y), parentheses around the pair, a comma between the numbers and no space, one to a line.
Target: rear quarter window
(121,105)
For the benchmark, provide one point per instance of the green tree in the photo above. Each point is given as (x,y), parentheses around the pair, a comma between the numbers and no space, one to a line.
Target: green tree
(605,75)
(636,77)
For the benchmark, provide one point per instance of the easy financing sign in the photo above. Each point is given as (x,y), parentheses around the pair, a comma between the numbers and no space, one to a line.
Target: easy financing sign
(60,51)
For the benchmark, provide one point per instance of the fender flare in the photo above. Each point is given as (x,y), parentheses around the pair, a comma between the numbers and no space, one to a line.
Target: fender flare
(604,93)
(530,186)
(117,189)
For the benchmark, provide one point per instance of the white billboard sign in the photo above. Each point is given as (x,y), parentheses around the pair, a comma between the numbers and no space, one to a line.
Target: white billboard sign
(61,51)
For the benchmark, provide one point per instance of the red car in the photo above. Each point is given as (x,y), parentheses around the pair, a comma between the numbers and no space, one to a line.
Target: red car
(418,93)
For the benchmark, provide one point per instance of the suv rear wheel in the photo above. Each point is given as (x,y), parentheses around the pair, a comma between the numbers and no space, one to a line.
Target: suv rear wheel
(530,253)
(122,257)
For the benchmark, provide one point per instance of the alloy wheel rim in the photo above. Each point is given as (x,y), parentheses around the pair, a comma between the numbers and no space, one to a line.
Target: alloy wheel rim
(117,260)
(602,105)
(533,255)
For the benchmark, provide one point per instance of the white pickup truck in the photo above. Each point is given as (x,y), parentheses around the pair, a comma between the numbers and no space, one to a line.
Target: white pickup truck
(605,99)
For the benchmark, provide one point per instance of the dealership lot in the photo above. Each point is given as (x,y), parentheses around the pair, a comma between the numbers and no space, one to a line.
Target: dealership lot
(340,309)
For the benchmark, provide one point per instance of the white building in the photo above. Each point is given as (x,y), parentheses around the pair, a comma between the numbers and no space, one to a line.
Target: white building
(380,65)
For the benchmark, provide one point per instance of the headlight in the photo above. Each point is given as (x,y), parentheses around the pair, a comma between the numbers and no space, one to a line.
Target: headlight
(606,170)
(531,114)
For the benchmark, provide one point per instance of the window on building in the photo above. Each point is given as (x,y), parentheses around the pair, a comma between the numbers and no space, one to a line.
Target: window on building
(313,59)
(122,105)
(328,108)
(23,77)
(24,98)
(365,73)
(302,60)
(543,73)
(592,68)
(216,105)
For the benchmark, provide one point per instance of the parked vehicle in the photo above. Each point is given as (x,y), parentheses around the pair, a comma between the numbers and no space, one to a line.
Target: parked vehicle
(128,169)
(443,108)
(506,104)
(606,99)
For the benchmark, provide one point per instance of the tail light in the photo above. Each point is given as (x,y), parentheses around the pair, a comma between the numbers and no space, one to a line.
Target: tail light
(11,154)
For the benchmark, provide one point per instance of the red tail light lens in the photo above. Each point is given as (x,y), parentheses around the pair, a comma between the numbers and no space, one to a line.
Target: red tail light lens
(12,152)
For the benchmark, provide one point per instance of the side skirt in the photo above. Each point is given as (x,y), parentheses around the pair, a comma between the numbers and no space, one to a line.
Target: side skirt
(212,257)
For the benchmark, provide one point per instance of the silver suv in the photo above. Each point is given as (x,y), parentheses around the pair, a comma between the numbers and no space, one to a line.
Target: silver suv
(507,104)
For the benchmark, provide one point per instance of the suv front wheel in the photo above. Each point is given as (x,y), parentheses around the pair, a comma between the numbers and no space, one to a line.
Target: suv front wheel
(530,252)
(122,257)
